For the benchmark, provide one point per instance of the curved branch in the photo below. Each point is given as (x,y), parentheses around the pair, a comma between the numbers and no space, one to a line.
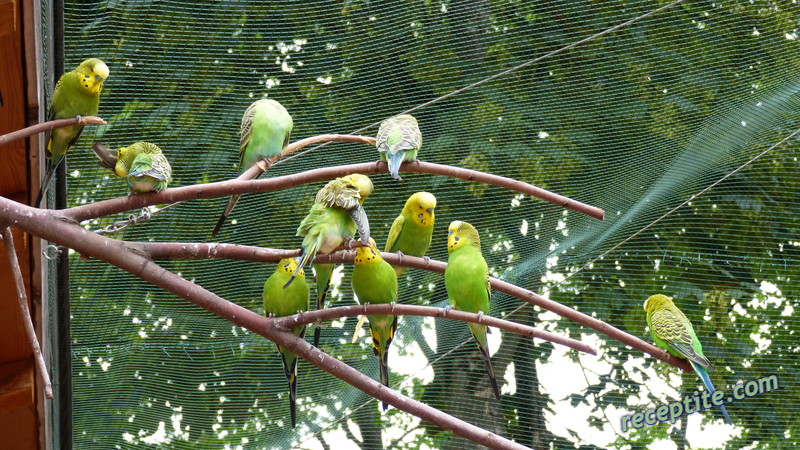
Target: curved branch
(430,311)
(237,186)
(46,126)
(230,251)
(47,225)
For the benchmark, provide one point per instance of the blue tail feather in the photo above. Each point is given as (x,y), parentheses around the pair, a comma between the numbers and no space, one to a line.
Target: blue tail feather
(701,371)
(394,160)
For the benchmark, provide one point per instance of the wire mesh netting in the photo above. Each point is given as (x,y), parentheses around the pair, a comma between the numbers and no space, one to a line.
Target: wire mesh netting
(636,121)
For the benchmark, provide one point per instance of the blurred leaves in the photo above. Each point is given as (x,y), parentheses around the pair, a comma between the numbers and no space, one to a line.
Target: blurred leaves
(635,122)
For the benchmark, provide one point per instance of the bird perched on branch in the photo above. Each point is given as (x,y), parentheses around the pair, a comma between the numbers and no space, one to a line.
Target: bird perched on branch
(412,230)
(375,282)
(673,332)
(335,216)
(398,140)
(266,127)
(466,279)
(285,302)
(77,94)
(142,164)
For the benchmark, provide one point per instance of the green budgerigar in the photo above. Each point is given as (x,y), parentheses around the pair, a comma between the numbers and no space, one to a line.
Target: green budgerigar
(412,230)
(280,302)
(673,332)
(335,216)
(142,164)
(398,140)
(77,93)
(266,127)
(466,279)
(374,281)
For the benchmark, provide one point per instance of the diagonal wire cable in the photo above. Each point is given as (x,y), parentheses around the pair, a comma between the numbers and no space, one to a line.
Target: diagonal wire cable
(504,73)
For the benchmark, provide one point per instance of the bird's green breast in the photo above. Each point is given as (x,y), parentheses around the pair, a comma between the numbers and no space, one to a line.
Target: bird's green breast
(465,278)
(414,239)
(375,282)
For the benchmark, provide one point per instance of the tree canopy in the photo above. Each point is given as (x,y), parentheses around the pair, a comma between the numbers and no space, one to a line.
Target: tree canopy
(638,121)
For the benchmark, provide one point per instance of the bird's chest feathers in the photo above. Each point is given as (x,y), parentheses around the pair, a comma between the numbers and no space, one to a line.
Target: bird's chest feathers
(142,184)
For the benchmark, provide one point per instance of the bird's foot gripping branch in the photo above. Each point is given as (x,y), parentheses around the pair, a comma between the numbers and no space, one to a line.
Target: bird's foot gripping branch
(699,401)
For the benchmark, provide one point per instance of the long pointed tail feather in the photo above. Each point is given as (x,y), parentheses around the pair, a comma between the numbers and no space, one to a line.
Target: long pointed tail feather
(51,170)
(323,277)
(703,373)
(394,160)
(224,216)
(489,369)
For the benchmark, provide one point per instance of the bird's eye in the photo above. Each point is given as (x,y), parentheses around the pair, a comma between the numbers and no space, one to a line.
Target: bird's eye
(86,76)
(459,230)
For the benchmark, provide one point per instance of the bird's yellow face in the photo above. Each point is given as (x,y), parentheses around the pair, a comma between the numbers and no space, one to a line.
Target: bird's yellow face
(289,265)
(655,301)
(362,182)
(366,255)
(455,235)
(93,73)
(421,206)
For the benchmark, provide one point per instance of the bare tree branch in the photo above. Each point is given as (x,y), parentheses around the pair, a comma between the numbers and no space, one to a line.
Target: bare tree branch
(430,311)
(25,312)
(42,127)
(48,225)
(238,186)
(231,251)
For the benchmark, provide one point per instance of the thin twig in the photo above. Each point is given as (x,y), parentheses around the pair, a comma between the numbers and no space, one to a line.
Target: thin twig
(230,187)
(430,311)
(25,312)
(48,225)
(46,126)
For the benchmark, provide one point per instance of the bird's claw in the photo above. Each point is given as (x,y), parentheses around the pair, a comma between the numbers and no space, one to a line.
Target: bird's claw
(393,305)
(79,118)
(446,309)
(480,316)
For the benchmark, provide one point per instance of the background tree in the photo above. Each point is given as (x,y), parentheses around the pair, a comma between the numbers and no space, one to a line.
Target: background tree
(636,121)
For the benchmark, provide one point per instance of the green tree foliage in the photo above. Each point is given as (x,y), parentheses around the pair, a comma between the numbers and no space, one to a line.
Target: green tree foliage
(636,122)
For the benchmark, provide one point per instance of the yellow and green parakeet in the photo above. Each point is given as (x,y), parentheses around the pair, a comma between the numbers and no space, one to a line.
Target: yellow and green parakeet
(398,140)
(266,126)
(142,164)
(77,93)
(374,281)
(335,216)
(466,279)
(673,332)
(280,302)
(412,230)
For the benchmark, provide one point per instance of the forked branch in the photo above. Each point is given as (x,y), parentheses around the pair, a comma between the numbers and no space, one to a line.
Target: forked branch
(47,225)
